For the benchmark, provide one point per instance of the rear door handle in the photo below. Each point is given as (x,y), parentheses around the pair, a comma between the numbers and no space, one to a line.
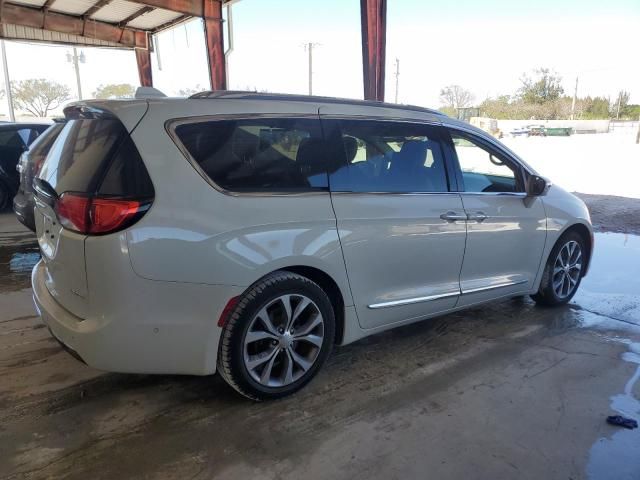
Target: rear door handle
(478,216)
(453,216)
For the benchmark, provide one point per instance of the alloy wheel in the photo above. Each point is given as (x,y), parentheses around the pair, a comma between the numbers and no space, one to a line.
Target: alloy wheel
(567,269)
(283,340)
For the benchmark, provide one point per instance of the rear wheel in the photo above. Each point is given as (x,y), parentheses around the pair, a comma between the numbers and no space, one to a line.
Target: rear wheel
(277,337)
(563,271)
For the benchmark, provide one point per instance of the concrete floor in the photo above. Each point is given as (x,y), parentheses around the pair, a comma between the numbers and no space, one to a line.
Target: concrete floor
(509,390)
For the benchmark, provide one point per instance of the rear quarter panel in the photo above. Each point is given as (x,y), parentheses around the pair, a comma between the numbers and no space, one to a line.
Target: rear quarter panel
(195,233)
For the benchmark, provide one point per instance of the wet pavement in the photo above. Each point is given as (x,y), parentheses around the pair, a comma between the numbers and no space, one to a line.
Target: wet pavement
(508,390)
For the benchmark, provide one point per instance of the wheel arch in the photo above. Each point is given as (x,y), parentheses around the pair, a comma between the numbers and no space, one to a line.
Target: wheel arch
(587,236)
(330,287)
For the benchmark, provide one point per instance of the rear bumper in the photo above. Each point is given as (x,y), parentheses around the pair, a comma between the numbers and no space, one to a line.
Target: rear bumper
(149,339)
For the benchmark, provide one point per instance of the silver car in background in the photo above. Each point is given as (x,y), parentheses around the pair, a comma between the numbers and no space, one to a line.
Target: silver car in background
(248,233)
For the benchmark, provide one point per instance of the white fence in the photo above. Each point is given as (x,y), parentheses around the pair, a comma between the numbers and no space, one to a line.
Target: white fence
(590,126)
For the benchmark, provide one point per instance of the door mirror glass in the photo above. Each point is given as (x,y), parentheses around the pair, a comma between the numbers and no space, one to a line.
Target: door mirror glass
(536,186)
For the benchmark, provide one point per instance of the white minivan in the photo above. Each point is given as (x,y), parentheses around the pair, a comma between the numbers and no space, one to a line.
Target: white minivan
(248,233)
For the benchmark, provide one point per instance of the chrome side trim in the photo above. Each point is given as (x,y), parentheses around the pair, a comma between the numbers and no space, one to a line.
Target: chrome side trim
(495,194)
(492,287)
(398,194)
(409,301)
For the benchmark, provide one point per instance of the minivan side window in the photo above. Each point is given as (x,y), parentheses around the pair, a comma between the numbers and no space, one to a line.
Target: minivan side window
(392,157)
(258,155)
(485,171)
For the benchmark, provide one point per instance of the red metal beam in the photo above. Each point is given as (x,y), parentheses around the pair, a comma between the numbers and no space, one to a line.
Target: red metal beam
(215,43)
(193,8)
(143,58)
(70,24)
(373,16)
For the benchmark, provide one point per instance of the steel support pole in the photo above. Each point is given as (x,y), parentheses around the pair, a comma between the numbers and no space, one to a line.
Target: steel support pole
(214,42)
(373,18)
(76,68)
(143,59)
(7,82)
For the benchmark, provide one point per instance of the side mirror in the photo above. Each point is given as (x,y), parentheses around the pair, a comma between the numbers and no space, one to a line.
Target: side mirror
(537,186)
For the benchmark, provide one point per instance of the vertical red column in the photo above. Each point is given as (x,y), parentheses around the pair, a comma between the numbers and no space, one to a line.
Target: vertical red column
(143,58)
(373,16)
(214,40)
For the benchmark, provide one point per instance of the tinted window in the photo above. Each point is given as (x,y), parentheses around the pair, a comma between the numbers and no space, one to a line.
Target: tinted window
(484,170)
(390,157)
(96,155)
(12,138)
(81,153)
(277,155)
(127,176)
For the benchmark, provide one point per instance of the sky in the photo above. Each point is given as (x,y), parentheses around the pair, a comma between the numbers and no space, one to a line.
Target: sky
(483,46)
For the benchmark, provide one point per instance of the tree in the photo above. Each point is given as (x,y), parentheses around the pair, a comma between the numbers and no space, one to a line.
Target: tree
(187,92)
(115,90)
(39,96)
(622,100)
(454,96)
(543,87)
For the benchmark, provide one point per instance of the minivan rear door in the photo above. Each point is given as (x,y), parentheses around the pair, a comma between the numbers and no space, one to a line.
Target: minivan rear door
(76,164)
(401,229)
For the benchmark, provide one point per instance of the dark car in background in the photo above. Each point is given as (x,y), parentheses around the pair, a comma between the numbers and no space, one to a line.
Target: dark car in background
(15,139)
(28,167)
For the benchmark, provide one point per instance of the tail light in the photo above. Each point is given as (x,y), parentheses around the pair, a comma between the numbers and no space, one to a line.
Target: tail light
(98,215)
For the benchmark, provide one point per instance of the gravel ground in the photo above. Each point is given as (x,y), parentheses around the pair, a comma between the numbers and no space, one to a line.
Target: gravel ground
(613,214)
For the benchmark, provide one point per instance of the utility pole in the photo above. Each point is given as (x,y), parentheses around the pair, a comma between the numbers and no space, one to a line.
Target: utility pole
(573,103)
(397,76)
(618,109)
(7,82)
(75,60)
(309,48)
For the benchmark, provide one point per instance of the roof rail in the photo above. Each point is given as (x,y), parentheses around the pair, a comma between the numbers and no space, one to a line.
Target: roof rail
(240,94)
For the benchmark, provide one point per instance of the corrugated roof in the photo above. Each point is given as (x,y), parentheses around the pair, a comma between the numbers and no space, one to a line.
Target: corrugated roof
(106,17)
(34,3)
(154,19)
(72,7)
(19,32)
(116,11)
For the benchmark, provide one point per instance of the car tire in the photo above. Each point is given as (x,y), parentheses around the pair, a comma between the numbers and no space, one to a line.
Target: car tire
(563,271)
(267,350)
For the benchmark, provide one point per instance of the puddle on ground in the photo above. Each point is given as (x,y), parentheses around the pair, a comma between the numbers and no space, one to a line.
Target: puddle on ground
(609,298)
(18,254)
(617,456)
(612,287)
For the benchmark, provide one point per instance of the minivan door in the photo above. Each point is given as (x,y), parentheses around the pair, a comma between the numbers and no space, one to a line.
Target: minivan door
(506,230)
(75,168)
(401,228)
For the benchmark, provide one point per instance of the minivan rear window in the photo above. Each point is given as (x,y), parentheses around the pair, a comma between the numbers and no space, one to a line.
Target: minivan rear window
(96,156)
(261,155)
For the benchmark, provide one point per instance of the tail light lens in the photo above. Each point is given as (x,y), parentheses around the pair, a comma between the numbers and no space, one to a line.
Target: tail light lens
(98,215)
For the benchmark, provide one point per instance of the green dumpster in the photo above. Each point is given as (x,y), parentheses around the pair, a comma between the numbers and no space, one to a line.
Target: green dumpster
(558,131)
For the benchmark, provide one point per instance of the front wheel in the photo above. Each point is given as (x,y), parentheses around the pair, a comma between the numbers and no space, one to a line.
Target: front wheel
(563,271)
(277,337)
